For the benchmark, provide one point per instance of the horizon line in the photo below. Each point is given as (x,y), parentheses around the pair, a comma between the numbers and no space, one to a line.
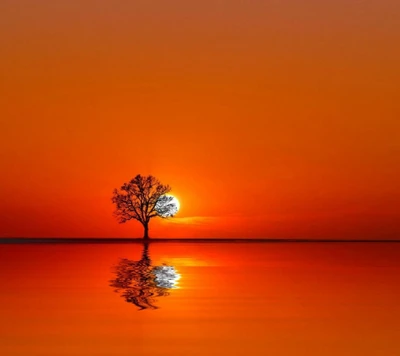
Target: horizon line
(94,240)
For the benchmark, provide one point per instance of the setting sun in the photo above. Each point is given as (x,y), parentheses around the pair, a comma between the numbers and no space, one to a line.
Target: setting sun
(176,203)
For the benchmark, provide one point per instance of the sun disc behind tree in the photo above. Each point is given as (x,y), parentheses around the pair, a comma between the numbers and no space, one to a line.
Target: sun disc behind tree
(167,206)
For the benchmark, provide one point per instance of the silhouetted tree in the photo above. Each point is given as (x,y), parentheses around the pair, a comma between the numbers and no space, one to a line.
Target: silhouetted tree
(140,283)
(143,198)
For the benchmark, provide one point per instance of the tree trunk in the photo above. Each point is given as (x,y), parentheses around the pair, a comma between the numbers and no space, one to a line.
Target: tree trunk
(146,231)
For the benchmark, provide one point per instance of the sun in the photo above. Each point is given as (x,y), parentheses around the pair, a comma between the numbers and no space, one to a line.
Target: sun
(176,202)
(167,206)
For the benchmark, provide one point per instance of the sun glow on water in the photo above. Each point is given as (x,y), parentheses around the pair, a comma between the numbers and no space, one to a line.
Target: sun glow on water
(166,276)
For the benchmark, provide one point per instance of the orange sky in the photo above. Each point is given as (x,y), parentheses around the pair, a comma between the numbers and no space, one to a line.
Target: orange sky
(268,118)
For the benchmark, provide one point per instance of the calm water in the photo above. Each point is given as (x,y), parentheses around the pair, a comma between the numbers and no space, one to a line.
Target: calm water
(213,299)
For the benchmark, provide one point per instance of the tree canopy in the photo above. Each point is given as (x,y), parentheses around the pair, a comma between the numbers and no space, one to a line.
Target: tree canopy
(143,198)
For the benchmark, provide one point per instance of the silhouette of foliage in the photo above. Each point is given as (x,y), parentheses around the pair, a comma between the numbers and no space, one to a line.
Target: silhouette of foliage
(140,283)
(142,199)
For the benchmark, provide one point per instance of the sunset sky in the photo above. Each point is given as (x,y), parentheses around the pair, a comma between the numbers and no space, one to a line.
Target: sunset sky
(269,118)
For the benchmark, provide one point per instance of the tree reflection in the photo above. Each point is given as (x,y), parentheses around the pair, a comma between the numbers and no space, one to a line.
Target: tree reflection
(140,283)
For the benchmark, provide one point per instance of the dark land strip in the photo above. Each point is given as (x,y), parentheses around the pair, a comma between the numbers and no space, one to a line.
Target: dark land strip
(117,240)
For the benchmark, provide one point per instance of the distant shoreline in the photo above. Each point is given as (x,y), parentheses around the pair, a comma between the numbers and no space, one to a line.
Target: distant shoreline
(27,240)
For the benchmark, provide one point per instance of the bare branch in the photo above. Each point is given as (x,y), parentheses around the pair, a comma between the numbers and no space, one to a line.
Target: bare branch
(138,200)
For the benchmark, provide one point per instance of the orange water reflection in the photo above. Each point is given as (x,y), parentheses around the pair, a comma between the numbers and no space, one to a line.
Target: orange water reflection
(140,283)
(234,299)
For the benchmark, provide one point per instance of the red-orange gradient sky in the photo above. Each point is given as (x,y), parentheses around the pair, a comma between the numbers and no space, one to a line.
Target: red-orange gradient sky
(268,118)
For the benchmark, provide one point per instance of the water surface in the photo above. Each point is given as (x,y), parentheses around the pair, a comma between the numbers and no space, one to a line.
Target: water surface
(230,299)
